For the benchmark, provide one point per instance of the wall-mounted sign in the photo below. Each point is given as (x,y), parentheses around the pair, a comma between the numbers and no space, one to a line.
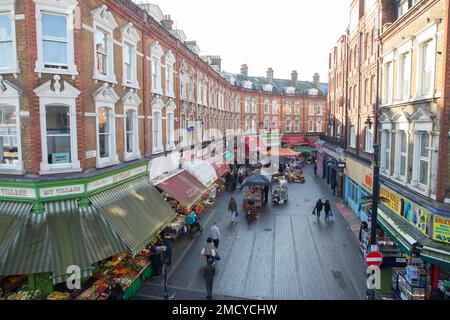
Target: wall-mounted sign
(393,202)
(115,178)
(368,181)
(341,165)
(12,192)
(441,229)
(61,191)
(61,157)
(91,154)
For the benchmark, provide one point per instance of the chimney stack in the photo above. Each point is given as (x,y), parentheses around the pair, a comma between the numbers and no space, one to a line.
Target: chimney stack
(294,78)
(270,75)
(167,22)
(244,70)
(316,80)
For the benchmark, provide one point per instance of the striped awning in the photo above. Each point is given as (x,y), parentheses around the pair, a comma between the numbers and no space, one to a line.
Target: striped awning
(136,211)
(436,253)
(12,219)
(31,252)
(101,241)
(67,243)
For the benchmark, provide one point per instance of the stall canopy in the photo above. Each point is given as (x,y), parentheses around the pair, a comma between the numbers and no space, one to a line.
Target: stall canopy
(136,211)
(294,140)
(184,188)
(304,149)
(12,218)
(220,165)
(254,144)
(202,171)
(281,152)
(256,180)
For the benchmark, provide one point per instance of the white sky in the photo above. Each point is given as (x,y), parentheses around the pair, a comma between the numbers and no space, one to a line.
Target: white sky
(284,34)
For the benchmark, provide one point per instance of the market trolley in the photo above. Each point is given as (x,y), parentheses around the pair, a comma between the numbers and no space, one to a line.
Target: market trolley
(257,185)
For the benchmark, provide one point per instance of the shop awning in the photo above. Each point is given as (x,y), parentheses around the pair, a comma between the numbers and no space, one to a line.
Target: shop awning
(184,188)
(101,241)
(257,180)
(304,149)
(294,140)
(254,144)
(67,243)
(436,253)
(31,252)
(12,219)
(220,165)
(202,171)
(281,152)
(398,233)
(136,211)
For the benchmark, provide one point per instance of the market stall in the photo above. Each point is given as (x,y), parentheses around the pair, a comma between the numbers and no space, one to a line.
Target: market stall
(202,171)
(257,191)
(280,152)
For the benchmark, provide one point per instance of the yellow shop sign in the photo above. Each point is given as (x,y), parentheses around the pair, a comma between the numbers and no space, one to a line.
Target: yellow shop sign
(393,201)
(441,229)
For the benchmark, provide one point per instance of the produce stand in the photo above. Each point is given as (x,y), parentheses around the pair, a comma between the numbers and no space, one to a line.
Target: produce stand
(296,176)
(255,195)
(407,286)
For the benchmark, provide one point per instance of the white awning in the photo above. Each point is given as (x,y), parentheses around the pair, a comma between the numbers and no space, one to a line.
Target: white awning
(202,171)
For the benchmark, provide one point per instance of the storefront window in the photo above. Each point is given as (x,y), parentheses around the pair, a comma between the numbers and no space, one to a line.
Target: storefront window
(58,134)
(9,153)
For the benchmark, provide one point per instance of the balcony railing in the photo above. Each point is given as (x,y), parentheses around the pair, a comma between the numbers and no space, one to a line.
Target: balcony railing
(332,140)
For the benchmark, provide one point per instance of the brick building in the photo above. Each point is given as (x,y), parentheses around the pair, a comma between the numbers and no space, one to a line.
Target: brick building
(97,96)
(396,62)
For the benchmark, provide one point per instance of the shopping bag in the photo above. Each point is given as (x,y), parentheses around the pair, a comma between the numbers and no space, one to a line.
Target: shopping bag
(217,257)
(184,230)
(331,214)
(236,214)
(314,212)
(202,252)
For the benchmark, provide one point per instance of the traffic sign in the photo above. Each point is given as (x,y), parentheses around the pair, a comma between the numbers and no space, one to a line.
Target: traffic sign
(374,258)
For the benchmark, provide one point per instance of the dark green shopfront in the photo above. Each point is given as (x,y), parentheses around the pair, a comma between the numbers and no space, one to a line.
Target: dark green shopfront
(46,228)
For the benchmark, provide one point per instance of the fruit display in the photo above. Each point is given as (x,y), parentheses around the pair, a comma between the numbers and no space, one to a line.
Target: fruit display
(58,296)
(24,293)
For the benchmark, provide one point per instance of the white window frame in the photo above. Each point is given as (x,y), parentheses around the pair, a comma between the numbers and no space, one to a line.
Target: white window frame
(310,125)
(274,107)
(311,110)
(428,34)
(104,20)
(157,108)
(296,124)
(156,54)
(386,152)
(246,104)
(404,72)
(131,101)
(10,96)
(170,125)
(402,176)
(352,134)
(388,79)
(130,37)
(58,7)
(254,106)
(417,158)
(368,145)
(7,6)
(266,107)
(319,126)
(106,97)
(67,97)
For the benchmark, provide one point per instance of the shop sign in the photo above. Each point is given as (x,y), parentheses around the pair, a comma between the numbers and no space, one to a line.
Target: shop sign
(13,192)
(368,181)
(61,191)
(341,165)
(411,212)
(101,183)
(441,229)
(61,157)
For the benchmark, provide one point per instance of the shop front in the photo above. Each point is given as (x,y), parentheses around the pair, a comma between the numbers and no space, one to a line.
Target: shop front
(53,227)
(357,185)
(420,230)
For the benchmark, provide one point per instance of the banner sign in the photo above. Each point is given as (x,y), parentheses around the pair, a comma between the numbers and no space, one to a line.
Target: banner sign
(441,229)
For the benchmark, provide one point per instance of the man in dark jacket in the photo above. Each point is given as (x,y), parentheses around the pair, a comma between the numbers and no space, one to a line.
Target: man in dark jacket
(333,186)
(116,293)
(327,208)
(232,209)
(319,207)
(208,275)
(167,242)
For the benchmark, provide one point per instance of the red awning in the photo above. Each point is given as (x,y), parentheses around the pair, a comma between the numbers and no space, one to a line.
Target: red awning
(293,139)
(219,164)
(184,188)
(254,144)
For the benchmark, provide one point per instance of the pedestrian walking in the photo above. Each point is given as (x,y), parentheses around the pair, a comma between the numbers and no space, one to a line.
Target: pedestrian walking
(214,234)
(208,274)
(327,208)
(167,242)
(208,250)
(318,208)
(315,169)
(333,186)
(232,209)
(155,260)
(116,293)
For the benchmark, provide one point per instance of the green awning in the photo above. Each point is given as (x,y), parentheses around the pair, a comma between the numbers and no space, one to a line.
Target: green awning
(303,149)
(436,253)
(31,252)
(12,219)
(398,234)
(136,211)
(101,241)
(68,247)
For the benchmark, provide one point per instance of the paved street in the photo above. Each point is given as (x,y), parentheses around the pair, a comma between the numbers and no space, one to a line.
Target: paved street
(285,254)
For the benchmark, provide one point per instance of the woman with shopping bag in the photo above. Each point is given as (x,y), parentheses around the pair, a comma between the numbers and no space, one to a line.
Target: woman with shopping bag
(208,250)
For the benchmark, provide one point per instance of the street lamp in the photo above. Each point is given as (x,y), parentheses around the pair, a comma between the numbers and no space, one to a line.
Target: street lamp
(369,122)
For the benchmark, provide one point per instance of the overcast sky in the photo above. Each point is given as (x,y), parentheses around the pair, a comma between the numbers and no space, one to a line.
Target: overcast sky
(284,34)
